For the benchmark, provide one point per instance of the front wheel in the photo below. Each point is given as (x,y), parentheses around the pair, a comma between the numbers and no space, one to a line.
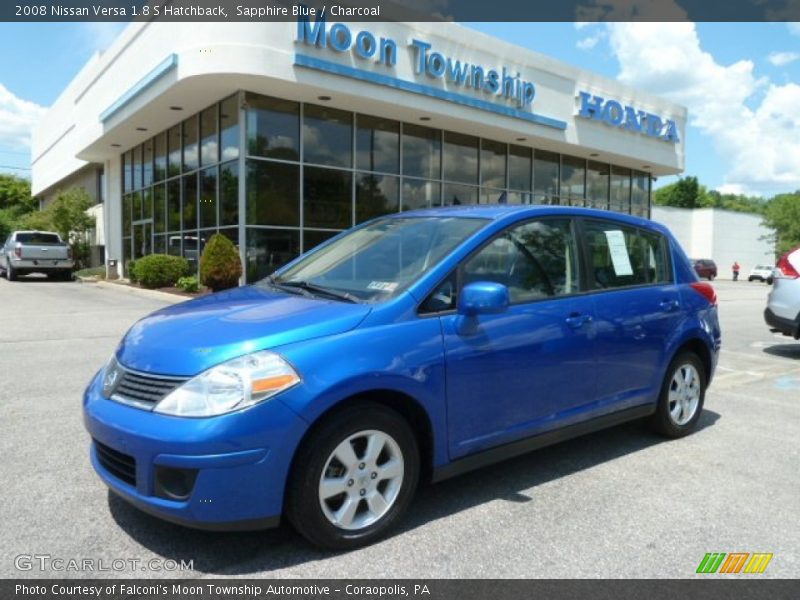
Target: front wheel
(682,396)
(353,477)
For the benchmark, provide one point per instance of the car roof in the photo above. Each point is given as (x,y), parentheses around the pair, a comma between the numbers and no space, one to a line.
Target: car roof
(508,212)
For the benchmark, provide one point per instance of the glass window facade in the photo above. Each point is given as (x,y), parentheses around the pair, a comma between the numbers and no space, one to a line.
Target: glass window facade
(279,177)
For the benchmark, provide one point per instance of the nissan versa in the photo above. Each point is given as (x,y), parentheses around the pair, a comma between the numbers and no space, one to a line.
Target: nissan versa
(414,346)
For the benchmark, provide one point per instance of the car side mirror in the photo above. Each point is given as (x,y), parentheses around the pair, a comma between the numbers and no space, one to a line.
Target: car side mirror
(483,298)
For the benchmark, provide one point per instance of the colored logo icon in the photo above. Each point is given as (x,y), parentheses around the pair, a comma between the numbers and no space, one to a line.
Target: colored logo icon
(735,562)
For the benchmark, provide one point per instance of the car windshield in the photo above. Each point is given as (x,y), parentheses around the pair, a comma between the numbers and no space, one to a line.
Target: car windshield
(377,261)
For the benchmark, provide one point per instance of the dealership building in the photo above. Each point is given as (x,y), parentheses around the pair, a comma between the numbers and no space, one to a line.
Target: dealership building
(279,135)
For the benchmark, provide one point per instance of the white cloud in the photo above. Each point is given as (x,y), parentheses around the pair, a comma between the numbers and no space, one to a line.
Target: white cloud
(760,146)
(588,43)
(17,116)
(731,188)
(780,59)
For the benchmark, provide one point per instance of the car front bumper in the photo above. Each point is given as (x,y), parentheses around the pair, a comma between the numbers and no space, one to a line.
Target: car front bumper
(238,463)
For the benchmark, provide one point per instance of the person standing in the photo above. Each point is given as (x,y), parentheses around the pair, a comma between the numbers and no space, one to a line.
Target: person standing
(736,269)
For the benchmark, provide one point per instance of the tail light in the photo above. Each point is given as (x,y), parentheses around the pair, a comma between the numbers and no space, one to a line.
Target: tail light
(69,252)
(706,290)
(18,252)
(786,268)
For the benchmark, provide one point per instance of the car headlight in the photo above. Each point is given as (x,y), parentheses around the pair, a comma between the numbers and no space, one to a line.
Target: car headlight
(230,386)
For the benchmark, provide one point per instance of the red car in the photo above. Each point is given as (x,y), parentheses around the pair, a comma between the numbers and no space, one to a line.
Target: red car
(705,268)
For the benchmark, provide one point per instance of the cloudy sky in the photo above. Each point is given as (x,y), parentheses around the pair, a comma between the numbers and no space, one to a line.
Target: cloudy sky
(740,82)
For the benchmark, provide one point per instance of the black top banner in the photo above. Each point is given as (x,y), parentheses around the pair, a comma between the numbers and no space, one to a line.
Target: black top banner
(408,10)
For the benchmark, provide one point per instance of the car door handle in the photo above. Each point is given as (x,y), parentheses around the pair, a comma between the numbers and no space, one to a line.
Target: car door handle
(668,305)
(576,320)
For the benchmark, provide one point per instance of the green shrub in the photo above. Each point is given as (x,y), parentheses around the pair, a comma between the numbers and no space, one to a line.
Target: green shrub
(220,267)
(160,270)
(188,284)
(132,271)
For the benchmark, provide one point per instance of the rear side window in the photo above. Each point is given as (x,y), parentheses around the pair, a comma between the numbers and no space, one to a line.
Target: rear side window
(621,256)
(38,238)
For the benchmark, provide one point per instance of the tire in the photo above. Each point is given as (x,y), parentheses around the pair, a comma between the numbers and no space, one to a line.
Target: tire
(376,503)
(679,409)
(11,274)
(751,279)
(711,277)
(769,280)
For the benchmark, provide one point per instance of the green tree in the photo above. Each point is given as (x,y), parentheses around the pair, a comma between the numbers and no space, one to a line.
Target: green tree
(782,214)
(15,194)
(15,202)
(684,193)
(67,216)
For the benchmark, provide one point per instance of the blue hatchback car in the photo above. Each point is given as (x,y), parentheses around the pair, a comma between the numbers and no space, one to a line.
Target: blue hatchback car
(415,346)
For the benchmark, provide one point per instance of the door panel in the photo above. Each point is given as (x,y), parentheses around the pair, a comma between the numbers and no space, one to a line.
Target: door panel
(511,374)
(531,367)
(636,312)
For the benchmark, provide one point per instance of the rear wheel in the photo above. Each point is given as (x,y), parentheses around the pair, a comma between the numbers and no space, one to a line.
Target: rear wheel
(353,478)
(682,396)
(11,273)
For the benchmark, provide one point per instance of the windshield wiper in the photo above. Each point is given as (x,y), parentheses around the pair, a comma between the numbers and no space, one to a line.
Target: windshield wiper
(298,291)
(317,289)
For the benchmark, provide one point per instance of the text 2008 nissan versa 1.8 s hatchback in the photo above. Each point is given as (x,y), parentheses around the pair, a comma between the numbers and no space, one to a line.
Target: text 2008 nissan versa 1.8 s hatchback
(416,345)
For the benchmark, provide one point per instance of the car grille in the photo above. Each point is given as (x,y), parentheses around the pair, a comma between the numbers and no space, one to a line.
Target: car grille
(120,465)
(142,389)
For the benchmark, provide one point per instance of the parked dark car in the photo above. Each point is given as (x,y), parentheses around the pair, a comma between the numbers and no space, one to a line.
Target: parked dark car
(705,268)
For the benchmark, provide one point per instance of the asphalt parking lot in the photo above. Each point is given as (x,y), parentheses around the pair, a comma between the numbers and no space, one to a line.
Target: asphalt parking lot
(619,503)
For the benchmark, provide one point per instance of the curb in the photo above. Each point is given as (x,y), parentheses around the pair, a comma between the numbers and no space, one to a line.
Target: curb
(154,294)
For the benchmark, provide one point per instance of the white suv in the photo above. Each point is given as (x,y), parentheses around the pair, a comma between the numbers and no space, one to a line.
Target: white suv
(761,273)
(783,303)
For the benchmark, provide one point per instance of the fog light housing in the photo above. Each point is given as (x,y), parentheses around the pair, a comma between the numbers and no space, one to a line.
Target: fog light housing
(173,483)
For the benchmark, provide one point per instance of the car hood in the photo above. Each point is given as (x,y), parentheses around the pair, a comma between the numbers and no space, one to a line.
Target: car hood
(190,337)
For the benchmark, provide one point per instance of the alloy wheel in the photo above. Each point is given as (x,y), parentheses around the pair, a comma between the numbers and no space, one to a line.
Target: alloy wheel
(684,394)
(361,480)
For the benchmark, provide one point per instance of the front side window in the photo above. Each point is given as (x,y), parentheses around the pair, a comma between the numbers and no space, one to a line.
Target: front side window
(622,256)
(378,261)
(534,260)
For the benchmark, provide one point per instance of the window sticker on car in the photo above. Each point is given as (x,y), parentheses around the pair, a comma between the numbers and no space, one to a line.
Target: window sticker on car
(619,253)
(383,286)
